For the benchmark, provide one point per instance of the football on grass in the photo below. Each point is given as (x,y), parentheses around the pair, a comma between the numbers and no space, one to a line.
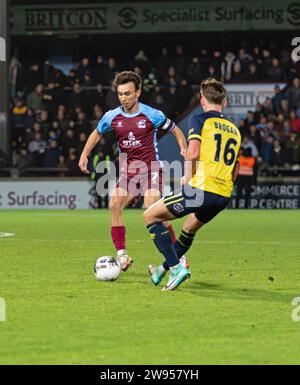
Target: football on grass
(107,269)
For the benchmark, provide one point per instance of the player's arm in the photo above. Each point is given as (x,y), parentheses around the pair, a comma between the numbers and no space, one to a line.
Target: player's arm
(103,126)
(191,159)
(193,153)
(235,171)
(180,140)
(93,139)
(168,126)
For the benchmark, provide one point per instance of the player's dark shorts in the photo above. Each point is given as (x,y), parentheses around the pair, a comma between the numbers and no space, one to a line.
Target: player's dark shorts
(186,200)
(137,184)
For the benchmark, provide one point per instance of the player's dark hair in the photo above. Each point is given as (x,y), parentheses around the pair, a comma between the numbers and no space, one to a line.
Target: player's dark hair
(213,90)
(128,77)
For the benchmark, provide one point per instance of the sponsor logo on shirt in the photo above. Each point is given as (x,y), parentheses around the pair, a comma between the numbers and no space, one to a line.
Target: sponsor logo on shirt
(131,141)
(141,123)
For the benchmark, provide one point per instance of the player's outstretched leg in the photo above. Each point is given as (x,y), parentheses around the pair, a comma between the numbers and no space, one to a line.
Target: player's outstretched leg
(157,273)
(182,245)
(120,198)
(154,217)
(162,239)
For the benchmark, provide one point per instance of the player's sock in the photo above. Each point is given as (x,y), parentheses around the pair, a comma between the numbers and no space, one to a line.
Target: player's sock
(165,266)
(182,245)
(162,239)
(118,237)
(172,233)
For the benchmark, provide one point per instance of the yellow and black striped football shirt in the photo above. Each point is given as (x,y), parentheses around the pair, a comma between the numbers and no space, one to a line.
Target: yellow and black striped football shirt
(220,144)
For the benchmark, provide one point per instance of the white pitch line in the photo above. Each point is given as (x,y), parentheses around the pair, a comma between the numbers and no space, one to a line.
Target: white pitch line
(145,240)
(4,235)
(65,215)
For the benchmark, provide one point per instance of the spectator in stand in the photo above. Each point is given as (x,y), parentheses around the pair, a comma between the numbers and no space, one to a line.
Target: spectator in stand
(19,112)
(212,72)
(256,53)
(54,75)
(97,97)
(293,150)
(73,77)
(274,72)
(84,68)
(112,69)
(111,98)
(180,60)
(262,126)
(245,178)
(237,75)
(170,105)
(24,161)
(68,141)
(294,94)
(286,127)
(266,62)
(277,98)
(52,154)
(43,119)
(35,99)
(17,78)
(268,106)
(158,99)
(37,148)
(172,79)
(72,163)
(97,115)
(194,73)
(184,95)
(51,99)
(99,70)
(267,150)
(33,78)
(62,120)
(81,143)
(279,124)
(244,58)
(162,63)
(250,119)
(149,84)
(247,143)
(204,63)
(295,122)
(53,136)
(259,110)
(61,165)
(278,154)
(252,74)
(82,124)
(255,136)
(227,66)
(78,98)
(217,62)
(87,80)
(244,130)
(141,61)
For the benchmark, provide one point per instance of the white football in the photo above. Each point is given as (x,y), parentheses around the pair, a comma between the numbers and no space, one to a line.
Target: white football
(107,269)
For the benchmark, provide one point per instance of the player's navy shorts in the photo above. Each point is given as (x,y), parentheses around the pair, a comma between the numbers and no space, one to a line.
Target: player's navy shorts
(186,200)
(137,184)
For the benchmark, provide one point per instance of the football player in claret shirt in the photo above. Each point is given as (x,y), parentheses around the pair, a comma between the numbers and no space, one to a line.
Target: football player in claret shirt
(211,167)
(135,126)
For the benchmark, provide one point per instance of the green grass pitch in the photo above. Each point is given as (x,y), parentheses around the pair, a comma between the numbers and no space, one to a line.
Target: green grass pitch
(235,309)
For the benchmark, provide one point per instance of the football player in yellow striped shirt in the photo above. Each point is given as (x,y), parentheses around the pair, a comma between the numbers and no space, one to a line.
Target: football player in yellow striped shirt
(211,167)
